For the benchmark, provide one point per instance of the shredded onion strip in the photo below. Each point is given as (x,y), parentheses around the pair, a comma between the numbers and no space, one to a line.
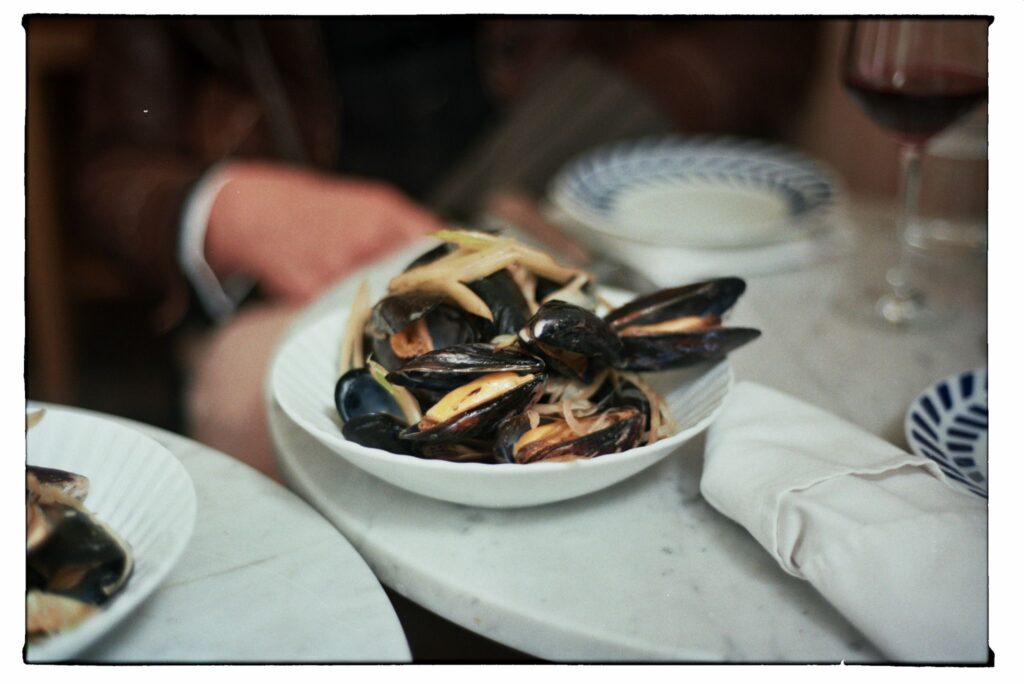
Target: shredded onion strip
(660,414)
(605,303)
(527,283)
(570,419)
(478,256)
(352,342)
(410,407)
(572,291)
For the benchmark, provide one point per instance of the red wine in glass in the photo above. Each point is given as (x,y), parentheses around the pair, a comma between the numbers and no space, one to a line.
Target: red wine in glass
(927,100)
(914,78)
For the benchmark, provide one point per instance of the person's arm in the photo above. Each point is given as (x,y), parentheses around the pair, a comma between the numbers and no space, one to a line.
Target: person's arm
(296,231)
(293,231)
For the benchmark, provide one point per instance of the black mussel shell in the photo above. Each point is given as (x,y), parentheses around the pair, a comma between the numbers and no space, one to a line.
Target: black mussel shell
(509,432)
(378,431)
(395,313)
(81,558)
(502,295)
(451,367)
(571,339)
(710,298)
(482,419)
(618,392)
(469,451)
(678,350)
(69,483)
(446,325)
(357,393)
(555,441)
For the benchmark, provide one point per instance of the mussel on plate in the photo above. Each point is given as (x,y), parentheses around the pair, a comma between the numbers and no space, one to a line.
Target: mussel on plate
(679,327)
(74,562)
(487,350)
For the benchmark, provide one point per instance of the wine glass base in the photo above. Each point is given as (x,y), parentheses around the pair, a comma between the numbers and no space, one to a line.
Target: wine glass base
(892,310)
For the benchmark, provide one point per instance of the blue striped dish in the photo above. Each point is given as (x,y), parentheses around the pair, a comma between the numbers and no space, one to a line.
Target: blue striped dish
(595,188)
(948,423)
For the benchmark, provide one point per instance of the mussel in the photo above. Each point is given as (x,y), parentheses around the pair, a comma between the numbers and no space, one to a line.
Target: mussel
(72,484)
(357,393)
(679,327)
(378,431)
(74,562)
(499,291)
(505,300)
(455,336)
(476,408)
(617,392)
(448,368)
(571,339)
(607,432)
(407,325)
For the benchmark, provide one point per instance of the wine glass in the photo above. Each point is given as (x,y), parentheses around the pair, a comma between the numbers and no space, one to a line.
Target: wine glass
(913,77)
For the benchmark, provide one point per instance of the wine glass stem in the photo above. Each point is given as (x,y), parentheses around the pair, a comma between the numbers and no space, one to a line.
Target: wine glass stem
(910,167)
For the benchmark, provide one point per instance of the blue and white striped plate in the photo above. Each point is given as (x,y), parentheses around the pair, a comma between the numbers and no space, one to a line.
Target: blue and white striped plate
(702,191)
(948,423)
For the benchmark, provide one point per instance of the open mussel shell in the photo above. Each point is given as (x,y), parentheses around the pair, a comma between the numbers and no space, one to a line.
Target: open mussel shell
(679,326)
(572,340)
(81,558)
(73,560)
(451,367)
(679,350)
(406,325)
(709,299)
(609,432)
(357,393)
(476,408)
(502,295)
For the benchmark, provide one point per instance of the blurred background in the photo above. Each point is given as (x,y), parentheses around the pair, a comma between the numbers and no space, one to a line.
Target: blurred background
(91,337)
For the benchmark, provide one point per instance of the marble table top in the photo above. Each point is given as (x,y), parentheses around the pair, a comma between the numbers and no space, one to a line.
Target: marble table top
(263,579)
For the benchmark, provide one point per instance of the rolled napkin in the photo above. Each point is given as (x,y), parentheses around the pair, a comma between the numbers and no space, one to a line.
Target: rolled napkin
(900,551)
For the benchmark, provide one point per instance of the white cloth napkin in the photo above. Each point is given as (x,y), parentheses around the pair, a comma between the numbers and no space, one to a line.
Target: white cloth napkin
(880,533)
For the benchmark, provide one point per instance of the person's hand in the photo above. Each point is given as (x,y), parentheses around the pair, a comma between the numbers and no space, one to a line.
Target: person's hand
(296,232)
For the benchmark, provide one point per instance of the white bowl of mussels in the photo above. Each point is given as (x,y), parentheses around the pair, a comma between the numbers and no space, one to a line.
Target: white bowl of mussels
(489,375)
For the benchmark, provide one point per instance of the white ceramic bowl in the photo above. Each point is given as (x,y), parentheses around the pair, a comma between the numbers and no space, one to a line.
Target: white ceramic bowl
(304,373)
(702,192)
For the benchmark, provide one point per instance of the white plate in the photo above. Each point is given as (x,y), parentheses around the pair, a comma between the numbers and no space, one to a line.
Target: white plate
(137,487)
(304,373)
(699,192)
(948,423)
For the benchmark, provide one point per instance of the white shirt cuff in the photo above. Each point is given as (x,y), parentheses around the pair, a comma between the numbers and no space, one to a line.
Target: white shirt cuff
(220,299)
